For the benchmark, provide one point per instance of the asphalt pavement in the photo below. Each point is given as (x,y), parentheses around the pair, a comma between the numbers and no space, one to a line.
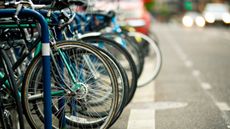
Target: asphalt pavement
(192,90)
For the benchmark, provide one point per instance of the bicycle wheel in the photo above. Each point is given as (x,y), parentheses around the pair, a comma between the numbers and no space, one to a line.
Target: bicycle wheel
(122,56)
(153,58)
(123,86)
(100,79)
(131,47)
(122,80)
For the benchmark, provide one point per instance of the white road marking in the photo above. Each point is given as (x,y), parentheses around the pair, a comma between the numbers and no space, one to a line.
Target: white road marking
(196,73)
(180,52)
(142,113)
(223,106)
(188,63)
(206,86)
(164,105)
(141,119)
(169,105)
(226,118)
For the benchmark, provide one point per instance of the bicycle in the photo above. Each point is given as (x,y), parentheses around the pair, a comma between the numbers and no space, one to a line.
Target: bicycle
(115,100)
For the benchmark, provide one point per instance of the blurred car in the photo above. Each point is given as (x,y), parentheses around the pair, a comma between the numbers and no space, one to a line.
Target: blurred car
(216,12)
(131,11)
(136,15)
(193,18)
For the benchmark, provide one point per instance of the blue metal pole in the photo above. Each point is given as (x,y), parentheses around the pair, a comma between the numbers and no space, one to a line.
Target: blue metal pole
(45,59)
(59,37)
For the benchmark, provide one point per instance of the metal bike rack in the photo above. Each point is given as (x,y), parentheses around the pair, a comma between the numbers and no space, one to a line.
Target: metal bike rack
(45,59)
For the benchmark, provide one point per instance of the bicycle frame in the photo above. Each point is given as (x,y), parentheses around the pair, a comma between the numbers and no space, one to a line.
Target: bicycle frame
(46,58)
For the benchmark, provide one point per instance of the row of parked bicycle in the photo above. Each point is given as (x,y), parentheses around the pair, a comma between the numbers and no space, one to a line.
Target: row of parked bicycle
(96,64)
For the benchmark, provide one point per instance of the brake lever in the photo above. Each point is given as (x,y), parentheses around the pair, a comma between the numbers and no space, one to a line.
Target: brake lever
(68,22)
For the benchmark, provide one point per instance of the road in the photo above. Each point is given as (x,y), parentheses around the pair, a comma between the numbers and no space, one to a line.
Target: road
(193,89)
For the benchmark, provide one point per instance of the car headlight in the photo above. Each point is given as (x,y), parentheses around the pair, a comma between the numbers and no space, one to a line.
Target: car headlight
(187,21)
(209,18)
(226,18)
(200,21)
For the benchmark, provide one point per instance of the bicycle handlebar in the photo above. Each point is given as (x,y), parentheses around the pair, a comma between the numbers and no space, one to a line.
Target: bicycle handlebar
(60,4)
(30,3)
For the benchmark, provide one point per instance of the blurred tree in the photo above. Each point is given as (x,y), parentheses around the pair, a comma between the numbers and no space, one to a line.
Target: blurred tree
(188,5)
(149,4)
(163,13)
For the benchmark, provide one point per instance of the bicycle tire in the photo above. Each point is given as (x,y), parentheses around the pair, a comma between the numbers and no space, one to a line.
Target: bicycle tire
(33,71)
(153,56)
(131,47)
